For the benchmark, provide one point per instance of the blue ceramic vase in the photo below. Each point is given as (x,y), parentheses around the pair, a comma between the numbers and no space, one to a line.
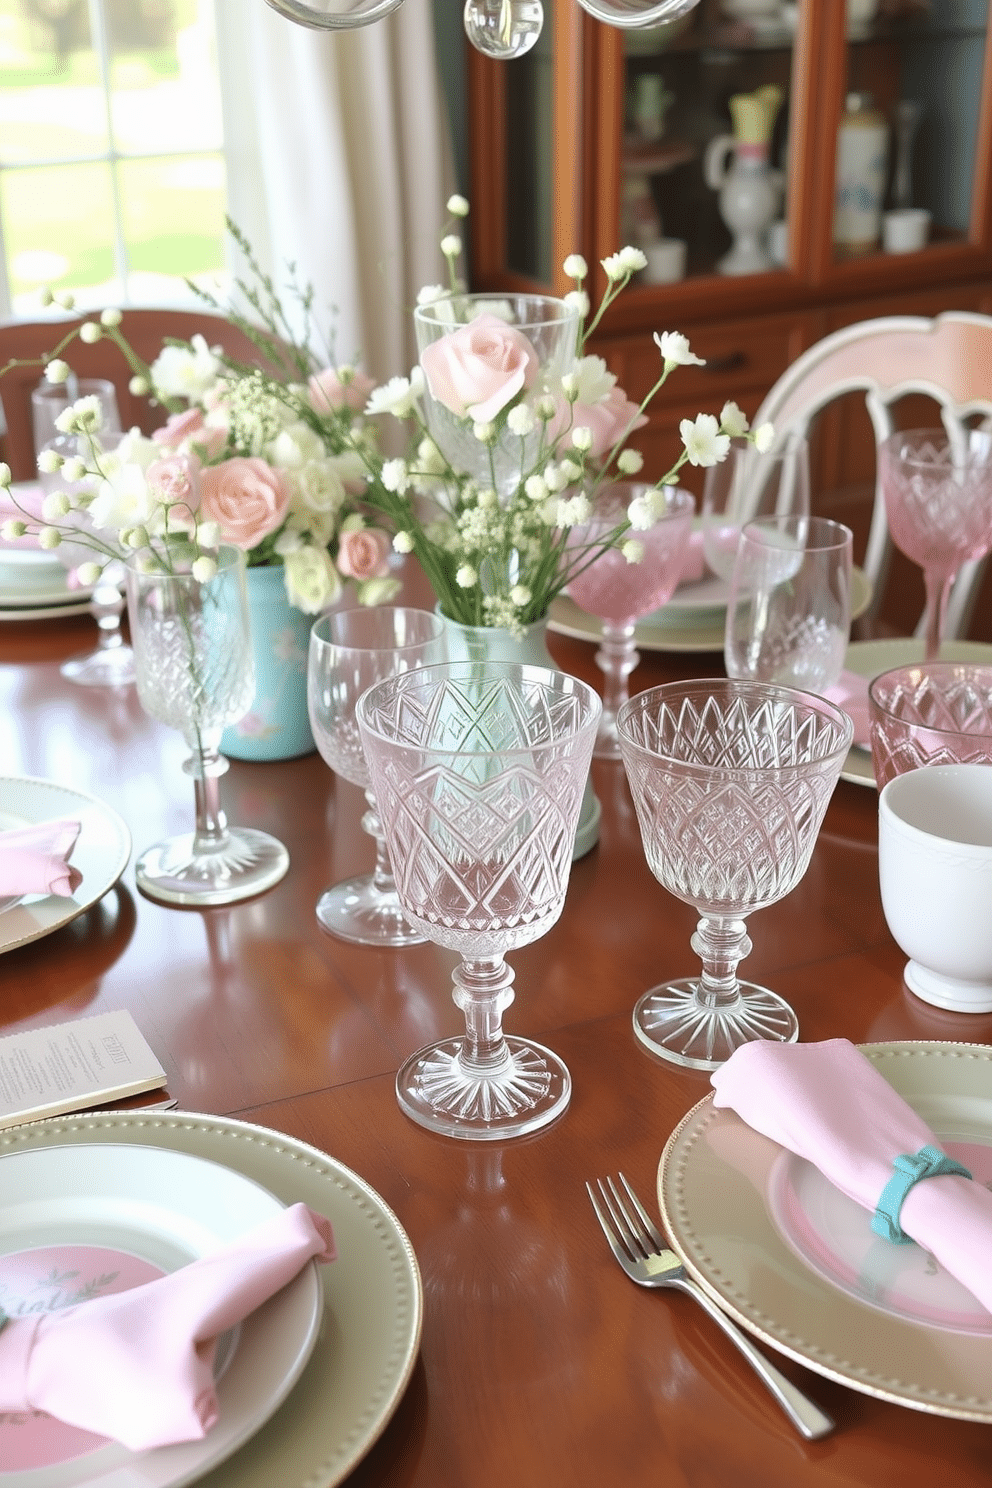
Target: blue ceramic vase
(276,727)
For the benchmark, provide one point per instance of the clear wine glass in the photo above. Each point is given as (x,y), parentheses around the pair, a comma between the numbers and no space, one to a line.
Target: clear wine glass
(747,486)
(619,592)
(632,14)
(112,663)
(194,672)
(50,399)
(730,780)
(789,611)
(938,501)
(349,650)
(479,771)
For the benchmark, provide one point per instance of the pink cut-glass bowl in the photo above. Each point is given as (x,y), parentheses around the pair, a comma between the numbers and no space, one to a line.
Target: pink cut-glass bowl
(933,713)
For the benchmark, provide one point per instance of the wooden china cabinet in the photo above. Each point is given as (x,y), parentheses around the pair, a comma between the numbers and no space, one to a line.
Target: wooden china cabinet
(562,160)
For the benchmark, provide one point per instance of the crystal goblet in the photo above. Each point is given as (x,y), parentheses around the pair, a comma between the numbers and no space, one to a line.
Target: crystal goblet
(194,672)
(789,610)
(938,501)
(936,713)
(349,650)
(112,663)
(479,771)
(730,780)
(619,592)
(747,486)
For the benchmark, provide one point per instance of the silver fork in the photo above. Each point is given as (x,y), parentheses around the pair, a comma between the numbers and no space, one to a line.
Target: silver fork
(641,1250)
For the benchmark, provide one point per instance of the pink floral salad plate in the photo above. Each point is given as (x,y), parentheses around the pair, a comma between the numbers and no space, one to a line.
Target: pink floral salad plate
(796,1262)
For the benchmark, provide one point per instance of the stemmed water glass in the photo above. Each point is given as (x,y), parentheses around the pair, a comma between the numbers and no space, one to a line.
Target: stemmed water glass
(619,592)
(789,610)
(730,780)
(479,771)
(938,501)
(349,650)
(747,486)
(194,672)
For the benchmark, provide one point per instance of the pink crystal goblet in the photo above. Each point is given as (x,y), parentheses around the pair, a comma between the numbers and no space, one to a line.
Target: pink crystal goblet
(935,713)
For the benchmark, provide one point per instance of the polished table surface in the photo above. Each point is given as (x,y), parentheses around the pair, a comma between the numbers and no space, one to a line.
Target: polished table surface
(540,1363)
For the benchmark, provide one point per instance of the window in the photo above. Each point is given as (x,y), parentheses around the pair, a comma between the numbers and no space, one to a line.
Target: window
(112,178)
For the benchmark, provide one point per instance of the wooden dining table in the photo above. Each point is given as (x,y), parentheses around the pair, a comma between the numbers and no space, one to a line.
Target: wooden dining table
(540,1364)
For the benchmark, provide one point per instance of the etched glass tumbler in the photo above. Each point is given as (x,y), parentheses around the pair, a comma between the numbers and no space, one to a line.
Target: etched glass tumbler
(349,650)
(193,670)
(731,780)
(937,713)
(479,771)
(619,592)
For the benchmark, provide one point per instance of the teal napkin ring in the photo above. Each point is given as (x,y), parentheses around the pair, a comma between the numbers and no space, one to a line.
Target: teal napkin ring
(910,1168)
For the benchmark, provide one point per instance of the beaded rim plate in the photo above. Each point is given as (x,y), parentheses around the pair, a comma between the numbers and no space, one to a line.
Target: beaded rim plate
(883,1320)
(373,1297)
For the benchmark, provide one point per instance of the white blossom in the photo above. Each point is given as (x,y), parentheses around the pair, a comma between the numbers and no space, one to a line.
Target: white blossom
(582,438)
(466,577)
(630,461)
(5,476)
(49,538)
(185,372)
(642,511)
(204,569)
(208,534)
(55,505)
(704,444)
(484,433)
(312,582)
(520,420)
(403,542)
(49,461)
(575,266)
(88,574)
(674,348)
(74,469)
(632,260)
(90,332)
(520,595)
(569,471)
(732,420)
(139,386)
(612,267)
(573,511)
(764,438)
(632,550)
(395,476)
(457,205)
(577,300)
(535,488)
(57,371)
(85,416)
(12,529)
(110,317)
(398,396)
(451,245)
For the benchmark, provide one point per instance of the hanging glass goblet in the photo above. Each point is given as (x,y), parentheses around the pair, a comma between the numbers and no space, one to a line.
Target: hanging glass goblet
(194,672)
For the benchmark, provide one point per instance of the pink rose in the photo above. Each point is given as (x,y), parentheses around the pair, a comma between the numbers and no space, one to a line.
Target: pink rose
(480,368)
(364,554)
(246,497)
(173,479)
(177,427)
(328,392)
(610,418)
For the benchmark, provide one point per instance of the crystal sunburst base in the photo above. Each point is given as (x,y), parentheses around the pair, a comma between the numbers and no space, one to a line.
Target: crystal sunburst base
(179,871)
(677,1023)
(528,1089)
(358,911)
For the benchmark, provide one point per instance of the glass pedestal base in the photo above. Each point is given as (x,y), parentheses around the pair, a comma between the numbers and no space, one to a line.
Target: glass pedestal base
(357,911)
(109,667)
(531,1088)
(675,1023)
(247,864)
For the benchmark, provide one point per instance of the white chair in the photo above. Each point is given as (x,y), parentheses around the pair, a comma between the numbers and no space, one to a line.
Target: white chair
(949,359)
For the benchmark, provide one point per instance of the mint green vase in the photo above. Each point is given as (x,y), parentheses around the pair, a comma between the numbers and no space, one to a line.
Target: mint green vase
(276,727)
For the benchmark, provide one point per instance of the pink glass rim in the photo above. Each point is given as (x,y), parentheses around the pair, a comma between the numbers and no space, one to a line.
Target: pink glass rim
(727,689)
(903,444)
(614,497)
(887,688)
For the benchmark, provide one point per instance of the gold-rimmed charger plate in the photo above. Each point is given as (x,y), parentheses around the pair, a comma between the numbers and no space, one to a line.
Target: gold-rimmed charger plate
(796,1263)
(373,1297)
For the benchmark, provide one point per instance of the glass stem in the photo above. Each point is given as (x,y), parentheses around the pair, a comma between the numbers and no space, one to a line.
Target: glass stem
(721,944)
(206,767)
(106,607)
(616,658)
(938,588)
(483,992)
(382,876)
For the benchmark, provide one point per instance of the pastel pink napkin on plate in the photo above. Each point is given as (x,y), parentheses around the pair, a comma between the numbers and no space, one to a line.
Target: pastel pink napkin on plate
(138,1365)
(26,508)
(850,692)
(829,1104)
(35,860)
(694,566)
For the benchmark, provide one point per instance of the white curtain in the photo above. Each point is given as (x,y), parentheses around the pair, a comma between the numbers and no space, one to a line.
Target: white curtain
(340,163)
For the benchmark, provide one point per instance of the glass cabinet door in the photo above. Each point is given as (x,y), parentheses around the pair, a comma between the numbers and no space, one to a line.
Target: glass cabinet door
(909,129)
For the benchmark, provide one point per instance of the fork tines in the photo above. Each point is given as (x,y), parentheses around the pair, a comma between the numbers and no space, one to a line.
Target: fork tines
(624,1218)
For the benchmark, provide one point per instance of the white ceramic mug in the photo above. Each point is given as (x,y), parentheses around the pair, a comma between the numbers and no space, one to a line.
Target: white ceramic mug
(935,873)
(666,261)
(905,230)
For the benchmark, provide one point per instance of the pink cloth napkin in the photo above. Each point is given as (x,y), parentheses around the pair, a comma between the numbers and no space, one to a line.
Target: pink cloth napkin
(829,1104)
(850,692)
(35,860)
(24,509)
(694,565)
(138,1365)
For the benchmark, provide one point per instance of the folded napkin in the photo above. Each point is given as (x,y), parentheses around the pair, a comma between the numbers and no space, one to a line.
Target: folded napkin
(829,1104)
(850,692)
(25,508)
(138,1365)
(35,860)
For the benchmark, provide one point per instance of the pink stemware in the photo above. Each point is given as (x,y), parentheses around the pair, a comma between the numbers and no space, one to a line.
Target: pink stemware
(938,500)
(618,592)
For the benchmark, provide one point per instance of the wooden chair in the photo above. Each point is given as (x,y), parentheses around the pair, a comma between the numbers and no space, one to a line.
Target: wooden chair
(146,331)
(948,359)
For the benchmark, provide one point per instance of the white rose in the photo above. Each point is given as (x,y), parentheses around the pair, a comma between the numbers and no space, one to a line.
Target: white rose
(312,581)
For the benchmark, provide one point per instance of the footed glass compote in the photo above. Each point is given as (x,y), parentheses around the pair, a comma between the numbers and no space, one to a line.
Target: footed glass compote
(479,771)
(938,500)
(619,592)
(194,672)
(731,780)
(349,651)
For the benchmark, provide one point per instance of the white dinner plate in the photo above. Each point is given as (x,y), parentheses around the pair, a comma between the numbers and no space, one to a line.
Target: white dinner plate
(373,1298)
(871,658)
(796,1262)
(694,622)
(71,1218)
(101,853)
(33,580)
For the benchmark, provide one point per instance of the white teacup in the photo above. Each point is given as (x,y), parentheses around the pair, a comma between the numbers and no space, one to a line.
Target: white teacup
(935,872)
